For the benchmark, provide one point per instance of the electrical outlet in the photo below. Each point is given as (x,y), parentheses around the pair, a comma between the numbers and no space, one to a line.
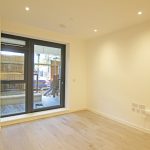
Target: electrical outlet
(138,110)
(134,105)
(142,111)
(142,107)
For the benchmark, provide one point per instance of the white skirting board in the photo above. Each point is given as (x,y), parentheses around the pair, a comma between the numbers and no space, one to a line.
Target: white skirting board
(121,121)
(38,115)
(35,116)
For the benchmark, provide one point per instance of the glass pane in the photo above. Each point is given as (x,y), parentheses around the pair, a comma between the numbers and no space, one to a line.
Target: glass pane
(12,98)
(12,66)
(47,71)
(13,41)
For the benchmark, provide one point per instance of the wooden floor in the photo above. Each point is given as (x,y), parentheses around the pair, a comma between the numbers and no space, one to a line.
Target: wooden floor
(77,131)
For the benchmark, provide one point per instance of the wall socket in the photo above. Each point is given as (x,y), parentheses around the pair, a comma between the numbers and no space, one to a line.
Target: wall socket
(138,108)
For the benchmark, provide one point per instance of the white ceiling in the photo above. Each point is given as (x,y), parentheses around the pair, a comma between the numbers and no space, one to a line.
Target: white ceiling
(77,17)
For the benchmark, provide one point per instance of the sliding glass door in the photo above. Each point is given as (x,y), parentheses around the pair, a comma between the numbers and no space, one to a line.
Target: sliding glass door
(32,75)
(48,75)
(13,78)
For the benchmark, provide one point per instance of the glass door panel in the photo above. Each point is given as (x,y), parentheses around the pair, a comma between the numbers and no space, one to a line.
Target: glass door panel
(47,77)
(12,98)
(13,86)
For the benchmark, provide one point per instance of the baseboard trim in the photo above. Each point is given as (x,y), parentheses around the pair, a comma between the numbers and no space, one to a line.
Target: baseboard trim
(121,121)
(47,114)
(36,116)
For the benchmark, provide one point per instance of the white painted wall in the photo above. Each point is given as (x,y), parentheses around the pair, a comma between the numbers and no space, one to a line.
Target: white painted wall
(119,74)
(76,95)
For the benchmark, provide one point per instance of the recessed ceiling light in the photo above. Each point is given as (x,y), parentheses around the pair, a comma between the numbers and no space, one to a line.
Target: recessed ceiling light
(95,30)
(27,8)
(140,13)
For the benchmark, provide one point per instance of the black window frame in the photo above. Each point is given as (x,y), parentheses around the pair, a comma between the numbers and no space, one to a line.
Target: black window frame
(28,49)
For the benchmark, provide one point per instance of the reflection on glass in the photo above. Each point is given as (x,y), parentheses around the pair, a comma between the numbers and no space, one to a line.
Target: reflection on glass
(12,66)
(10,41)
(47,67)
(12,98)
(12,93)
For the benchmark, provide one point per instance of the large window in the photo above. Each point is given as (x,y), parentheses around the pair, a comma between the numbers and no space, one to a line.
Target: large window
(32,75)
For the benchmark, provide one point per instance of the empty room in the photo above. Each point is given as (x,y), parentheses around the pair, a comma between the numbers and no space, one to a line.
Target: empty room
(75,75)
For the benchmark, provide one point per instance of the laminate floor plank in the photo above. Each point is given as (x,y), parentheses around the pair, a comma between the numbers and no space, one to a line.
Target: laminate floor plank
(82,130)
